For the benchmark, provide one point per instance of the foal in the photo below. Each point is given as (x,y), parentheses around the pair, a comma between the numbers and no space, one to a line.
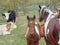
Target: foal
(33,31)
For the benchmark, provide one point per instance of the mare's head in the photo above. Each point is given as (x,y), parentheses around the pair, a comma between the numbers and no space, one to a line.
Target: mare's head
(43,12)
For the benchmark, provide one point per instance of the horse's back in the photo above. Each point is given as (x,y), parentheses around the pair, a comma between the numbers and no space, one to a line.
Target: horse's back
(54,27)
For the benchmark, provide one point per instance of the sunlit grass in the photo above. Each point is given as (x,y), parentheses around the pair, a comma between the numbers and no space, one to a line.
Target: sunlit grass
(17,35)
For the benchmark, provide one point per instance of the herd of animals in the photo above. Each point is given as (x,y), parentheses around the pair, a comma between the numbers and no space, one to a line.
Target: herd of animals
(50,30)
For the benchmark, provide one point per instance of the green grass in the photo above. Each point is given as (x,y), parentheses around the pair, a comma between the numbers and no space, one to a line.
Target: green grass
(17,36)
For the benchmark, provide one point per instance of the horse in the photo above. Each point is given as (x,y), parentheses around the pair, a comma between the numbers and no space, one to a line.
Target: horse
(57,14)
(10,16)
(51,25)
(7,28)
(32,32)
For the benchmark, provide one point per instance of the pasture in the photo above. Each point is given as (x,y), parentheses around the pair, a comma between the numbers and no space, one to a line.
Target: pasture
(17,36)
(30,7)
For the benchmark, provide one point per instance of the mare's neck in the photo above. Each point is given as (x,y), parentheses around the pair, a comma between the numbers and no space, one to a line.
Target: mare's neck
(46,16)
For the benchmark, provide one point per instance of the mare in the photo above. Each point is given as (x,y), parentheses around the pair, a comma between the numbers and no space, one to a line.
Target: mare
(51,25)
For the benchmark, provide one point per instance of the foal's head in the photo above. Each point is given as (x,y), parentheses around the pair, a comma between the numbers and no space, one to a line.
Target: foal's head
(31,24)
(31,21)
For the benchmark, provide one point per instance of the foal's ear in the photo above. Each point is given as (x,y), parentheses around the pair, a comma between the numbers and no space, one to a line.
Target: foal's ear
(34,17)
(39,6)
(27,17)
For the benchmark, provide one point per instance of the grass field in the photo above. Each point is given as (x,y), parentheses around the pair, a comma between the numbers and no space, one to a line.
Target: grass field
(17,36)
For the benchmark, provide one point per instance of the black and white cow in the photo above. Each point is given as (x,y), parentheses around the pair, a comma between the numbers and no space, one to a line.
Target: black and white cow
(10,16)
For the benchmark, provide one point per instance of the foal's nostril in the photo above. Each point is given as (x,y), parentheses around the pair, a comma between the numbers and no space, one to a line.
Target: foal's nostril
(3,14)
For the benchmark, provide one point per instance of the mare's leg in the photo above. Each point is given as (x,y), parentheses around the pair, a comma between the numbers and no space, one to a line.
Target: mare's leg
(36,43)
(47,43)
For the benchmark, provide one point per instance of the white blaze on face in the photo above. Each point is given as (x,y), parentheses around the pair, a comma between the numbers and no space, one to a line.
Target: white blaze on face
(7,15)
(42,8)
(31,21)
